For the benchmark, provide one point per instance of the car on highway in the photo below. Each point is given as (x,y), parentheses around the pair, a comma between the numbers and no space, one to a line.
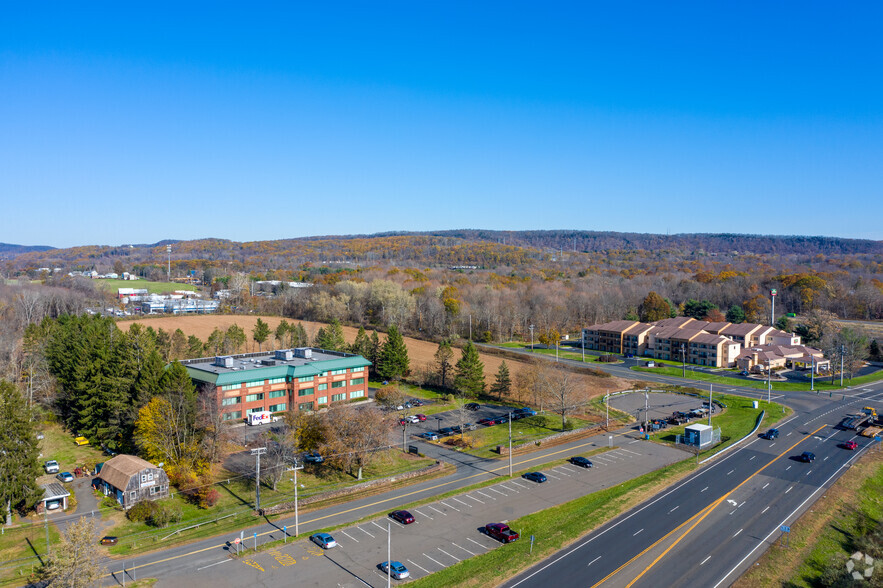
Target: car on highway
(851,445)
(420,418)
(51,466)
(807,456)
(395,569)
(771,434)
(429,436)
(538,477)
(65,477)
(580,461)
(501,532)
(313,457)
(323,540)
(486,422)
(471,406)
(402,516)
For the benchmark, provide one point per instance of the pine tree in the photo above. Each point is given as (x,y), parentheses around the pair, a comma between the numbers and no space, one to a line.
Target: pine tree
(260,333)
(299,337)
(234,339)
(215,342)
(331,337)
(19,452)
(393,358)
(281,332)
(443,356)
(362,344)
(374,352)
(470,372)
(502,382)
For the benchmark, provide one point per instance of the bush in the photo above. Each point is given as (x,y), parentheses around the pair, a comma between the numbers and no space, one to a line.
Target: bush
(450,398)
(165,514)
(211,498)
(142,511)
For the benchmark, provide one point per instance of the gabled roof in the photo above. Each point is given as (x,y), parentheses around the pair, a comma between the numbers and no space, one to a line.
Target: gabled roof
(53,491)
(118,470)
(716,327)
(742,329)
(678,322)
(616,326)
(710,339)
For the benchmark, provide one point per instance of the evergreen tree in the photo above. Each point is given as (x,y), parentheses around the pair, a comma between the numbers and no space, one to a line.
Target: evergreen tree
(164,344)
(215,342)
(234,339)
(735,314)
(874,350)
(331,337)
(177,386)
(19,452)
(299,337)
(260,333)
(195,347)
(470,372)
(374,352)
(148,382)
(443,356)
(393,358)
(502,382)
(179,345)
(362,344)
(281,332)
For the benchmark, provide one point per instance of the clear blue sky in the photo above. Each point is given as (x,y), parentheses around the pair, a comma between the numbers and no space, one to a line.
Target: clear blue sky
(130,122)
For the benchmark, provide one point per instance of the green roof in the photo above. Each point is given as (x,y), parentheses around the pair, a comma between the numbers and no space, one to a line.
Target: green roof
(228,377)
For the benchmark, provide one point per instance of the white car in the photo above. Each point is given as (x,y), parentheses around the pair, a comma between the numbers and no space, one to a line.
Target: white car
(51,467)
(396,570)
(412,419)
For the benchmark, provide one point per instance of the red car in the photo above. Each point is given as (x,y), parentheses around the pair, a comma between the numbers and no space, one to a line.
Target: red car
(501,531)
(486,422)
(420,417)
(402,516)
(851,445)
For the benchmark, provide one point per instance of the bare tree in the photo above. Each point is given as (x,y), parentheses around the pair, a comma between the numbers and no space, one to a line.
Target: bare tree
(76,561)
(355,436)
(562,390)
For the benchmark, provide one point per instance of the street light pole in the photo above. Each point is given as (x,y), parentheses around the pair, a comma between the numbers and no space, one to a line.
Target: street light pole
(812,373)
(510,444)
(842,351)
(296,521)
(769,383)
(531,338)
(257,486)
(388,554)
(684,359)
(607,409)
(710,396)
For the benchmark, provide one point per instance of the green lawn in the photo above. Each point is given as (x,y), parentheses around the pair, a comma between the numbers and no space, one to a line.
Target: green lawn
(59,445)
(820,385)
(486,439)
(152,287)
(18,545)
(563,352)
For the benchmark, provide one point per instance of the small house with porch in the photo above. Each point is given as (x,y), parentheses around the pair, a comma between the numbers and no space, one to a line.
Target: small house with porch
(131,479)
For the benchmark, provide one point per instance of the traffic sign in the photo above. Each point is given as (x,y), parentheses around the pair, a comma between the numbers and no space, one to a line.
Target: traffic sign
(786,529)
(236,541)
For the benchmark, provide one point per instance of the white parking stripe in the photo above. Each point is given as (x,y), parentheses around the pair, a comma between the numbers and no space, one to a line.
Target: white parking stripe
(508,488)
(433,560)
(350,536)
(627,451)
(476,542)
(519,484)
(438,511)
(422,514)
(463,548)
(473,498)
(419,566)
(485,495)
(449,555)
(553,476)
(461,502)
(497,491)
(365,532)
(383,528)
(558,470)
(449,506)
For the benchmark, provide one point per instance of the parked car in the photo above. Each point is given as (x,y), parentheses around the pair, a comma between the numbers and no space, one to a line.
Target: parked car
(538,477)
(501,419)
(313,457)
(416,402)
(395,569)
(649,364)
(51,466)
(420,418)
(323,540)
(501,532)
(429,436)
(486,422)
(580,461)
(81,441)
(445,432)
(402,516)
(851,445)
(743,373)
(53,505)
(472,406)
(807,456)
(108,540)
(771,434)
(65,477)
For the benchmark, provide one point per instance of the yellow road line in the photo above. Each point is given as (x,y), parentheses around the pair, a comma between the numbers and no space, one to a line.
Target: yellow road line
(395,498)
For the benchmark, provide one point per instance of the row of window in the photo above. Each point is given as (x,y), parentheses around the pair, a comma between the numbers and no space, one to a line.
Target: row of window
(301,407)
(281,393)
(254,383)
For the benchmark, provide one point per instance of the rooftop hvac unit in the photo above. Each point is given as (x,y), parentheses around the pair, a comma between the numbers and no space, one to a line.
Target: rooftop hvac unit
(224,361)
(304,352)
(268,362)
(284,354)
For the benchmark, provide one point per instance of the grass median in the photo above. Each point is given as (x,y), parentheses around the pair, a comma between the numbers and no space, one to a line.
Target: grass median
(821,385)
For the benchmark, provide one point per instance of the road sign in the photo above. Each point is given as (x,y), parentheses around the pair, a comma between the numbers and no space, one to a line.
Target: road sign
(236,541)
(786,529)
(531,543)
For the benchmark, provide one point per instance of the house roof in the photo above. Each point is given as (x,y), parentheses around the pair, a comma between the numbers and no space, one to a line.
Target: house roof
(716,327)
(742,329)
(678,321)
(616,326)
(118,470)
(710,339)
(53,491)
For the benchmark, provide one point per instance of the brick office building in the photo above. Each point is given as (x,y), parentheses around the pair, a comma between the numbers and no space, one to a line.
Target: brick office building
(278,381)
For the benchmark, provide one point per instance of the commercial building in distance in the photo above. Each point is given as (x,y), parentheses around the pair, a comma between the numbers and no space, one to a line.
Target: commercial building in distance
(302,379)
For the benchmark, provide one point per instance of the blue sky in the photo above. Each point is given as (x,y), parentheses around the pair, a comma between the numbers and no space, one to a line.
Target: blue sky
(131,123)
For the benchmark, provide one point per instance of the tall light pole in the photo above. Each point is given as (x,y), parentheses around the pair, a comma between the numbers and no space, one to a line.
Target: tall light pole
(257,477)
(812,373)
(773,308)
(607,408)
(388,554)
(169,270)
(294,469)
(842,351)
(510,444)
(583,342)
(684,359)
(769,383)
(531,337)
(710,396)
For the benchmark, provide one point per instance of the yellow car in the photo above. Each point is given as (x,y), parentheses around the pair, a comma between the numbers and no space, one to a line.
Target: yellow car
(81,441)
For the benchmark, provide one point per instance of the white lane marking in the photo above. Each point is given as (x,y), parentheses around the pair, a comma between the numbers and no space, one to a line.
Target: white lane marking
(593,561)
(461,502)
(789,434)
(423,514)
(449,506)
(473,498)
(627,451)
(764,510)
(734,510)
(517,483)
(809,472)
(789,489)
(382,528)
(438,511)
(553,476)
(826,459)
(788,468)
(508,488)
(674,509)
(433,560)
(448,554)
(730,472)
(743,504)
(485,495)
(771,444)
(350,536)
(704,489)
(737,532)
(705,560)
(476,542)
(635,441)
(463,548)
(558,470)
(752,457)
(214,564)
(365,532)
(765,485)
(497,491)
(413,563)
(638,532)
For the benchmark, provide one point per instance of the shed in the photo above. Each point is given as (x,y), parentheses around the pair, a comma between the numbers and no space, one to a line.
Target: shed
(698,435)
(131,479)
(54,497)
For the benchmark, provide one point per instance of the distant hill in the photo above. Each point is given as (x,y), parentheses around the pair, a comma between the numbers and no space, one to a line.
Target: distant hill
(9,251)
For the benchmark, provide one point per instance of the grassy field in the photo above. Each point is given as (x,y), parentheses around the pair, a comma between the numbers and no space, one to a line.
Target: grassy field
(486,439)
(152,287)
(563,352)
(19,545)
(59,445)
(820,384)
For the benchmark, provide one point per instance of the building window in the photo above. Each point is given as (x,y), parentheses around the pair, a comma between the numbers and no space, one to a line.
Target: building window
(338,397)
(277,407)
(276,381)
(357,370)
(254,383)
(231,387)
(338,372)
(254,397)
(154,490)
(277,393)
(323,387)
(357,394)
(229,416)
(357,381)
(305,406)
(143,477)
(131,497)
(306,378)
(231,401)
(305,392)
(322,400)
(149,476)
(339,384)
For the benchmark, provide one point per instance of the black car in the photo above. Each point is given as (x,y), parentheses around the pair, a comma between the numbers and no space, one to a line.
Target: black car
(580,461)
(416,402)
(446,432)
(502,419)
(538,477)
(807,456)
(313,457)
(771,434)
(472,406)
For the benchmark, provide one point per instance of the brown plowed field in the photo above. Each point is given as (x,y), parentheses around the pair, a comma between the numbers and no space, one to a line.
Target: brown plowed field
(420,352)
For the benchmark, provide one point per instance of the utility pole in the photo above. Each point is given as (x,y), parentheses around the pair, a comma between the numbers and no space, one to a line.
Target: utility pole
(46,523)
(769,383)
(531,337)
(470,327)
(812,373)
(607,408)
(510,444)
(583,342)
(710,396)
(773,308)
(842,351)
(684,359)
(646,410)
(405,437)
(169,270)
(257,486)
(388,554)
(294,469)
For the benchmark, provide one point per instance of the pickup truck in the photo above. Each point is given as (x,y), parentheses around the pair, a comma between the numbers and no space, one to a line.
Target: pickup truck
(501,532)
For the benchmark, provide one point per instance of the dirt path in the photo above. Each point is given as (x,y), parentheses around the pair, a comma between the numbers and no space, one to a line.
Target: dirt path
(421,352)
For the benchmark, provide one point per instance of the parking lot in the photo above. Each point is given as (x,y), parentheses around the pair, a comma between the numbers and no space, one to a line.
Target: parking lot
(450,418)
(661,405)
(444,532)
